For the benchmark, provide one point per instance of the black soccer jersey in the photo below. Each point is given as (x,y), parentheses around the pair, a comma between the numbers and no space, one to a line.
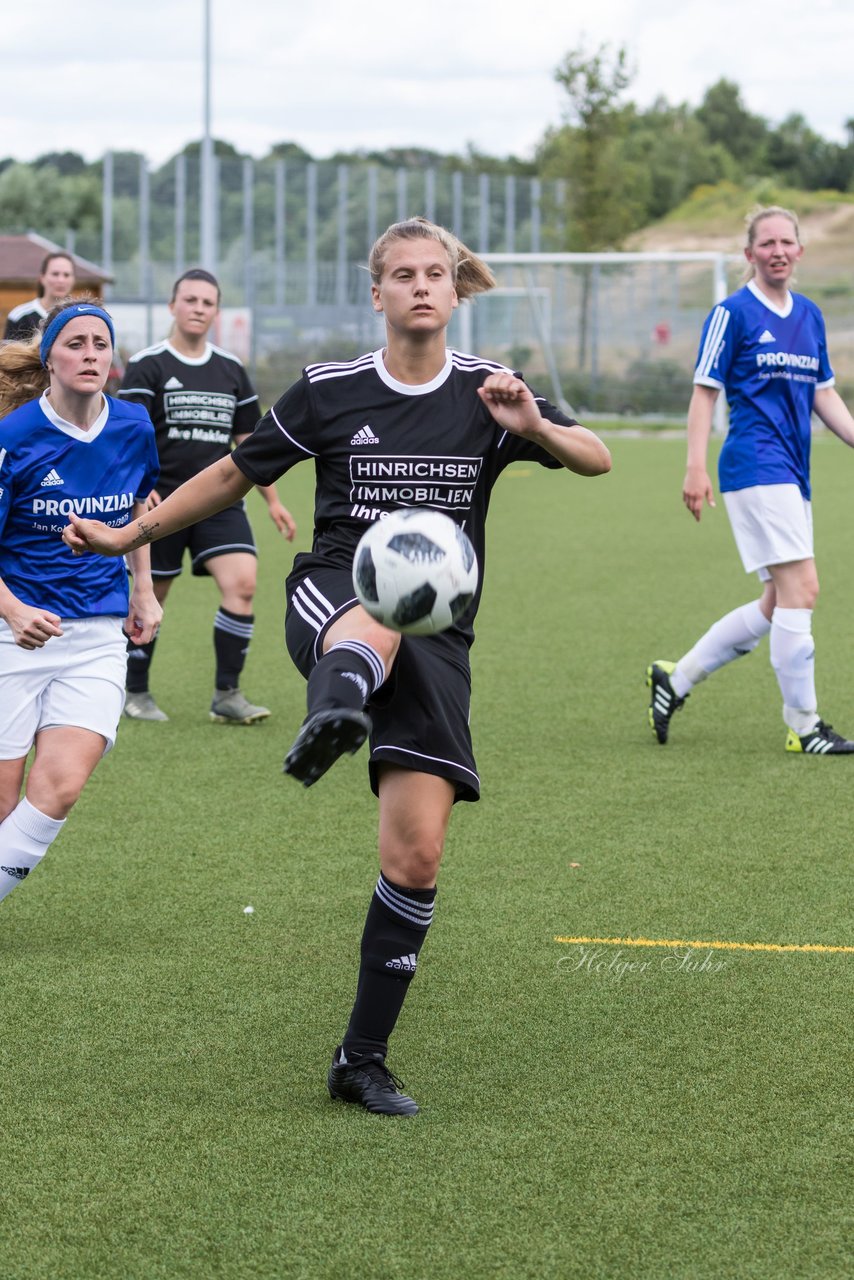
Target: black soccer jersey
(197,406)
(379,444)
(23,320)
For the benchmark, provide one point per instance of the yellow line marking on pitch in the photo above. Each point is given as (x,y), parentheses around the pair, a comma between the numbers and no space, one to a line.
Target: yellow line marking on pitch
(715,946)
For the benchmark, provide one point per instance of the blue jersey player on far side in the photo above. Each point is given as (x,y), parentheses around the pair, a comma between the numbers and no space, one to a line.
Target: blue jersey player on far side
(766,348)
(64,447)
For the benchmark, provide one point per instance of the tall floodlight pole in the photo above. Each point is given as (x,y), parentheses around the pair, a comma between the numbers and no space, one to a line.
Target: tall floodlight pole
(207,211)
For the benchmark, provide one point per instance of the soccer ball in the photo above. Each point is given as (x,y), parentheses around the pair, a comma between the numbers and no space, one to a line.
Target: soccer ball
(415,571)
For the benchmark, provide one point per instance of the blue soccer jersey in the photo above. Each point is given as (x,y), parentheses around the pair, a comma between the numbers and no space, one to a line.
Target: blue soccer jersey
(770,361)
(49,468)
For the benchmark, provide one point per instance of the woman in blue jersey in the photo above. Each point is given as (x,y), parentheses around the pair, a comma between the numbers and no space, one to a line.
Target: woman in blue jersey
(766,348)
(64,447)
(412,409)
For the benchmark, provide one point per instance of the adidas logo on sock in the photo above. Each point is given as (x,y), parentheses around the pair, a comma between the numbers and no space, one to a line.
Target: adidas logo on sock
(767,336)
(365,436)
(21,873)
(405,964)
(174,385)
(52,477)
(359,681)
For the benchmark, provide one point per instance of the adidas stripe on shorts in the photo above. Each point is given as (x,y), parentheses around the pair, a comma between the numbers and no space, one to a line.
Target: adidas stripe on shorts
(218,535)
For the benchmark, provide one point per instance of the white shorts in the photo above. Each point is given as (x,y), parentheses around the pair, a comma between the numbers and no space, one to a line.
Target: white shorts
(772,524)
(76,679)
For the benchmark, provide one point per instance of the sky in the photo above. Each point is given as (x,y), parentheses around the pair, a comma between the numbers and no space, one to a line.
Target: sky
(351,75)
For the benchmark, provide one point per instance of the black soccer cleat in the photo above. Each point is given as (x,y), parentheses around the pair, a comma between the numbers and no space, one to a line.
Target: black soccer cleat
(368,1082)
(820,741)
(663,702)
(324,737)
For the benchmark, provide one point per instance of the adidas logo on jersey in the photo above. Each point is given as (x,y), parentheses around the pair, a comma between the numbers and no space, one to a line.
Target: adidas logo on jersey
(52,478)
(767,336)
(405,964)
(365,436)
(173,385)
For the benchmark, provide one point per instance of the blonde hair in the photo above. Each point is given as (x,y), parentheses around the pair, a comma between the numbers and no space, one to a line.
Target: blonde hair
(469,273)
(23,377)
(756,215)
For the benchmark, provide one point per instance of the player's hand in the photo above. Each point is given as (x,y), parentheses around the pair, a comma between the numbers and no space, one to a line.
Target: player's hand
(282,519)
(92,535)
(697,489)
(153,500)
(32,628)
(511,403)
(144,616)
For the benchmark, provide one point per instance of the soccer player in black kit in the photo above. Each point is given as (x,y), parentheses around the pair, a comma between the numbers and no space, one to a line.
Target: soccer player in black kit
(414,424)
(56,281)
(201,401)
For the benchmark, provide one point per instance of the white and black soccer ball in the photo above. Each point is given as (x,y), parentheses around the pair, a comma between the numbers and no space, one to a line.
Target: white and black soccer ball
(415,571)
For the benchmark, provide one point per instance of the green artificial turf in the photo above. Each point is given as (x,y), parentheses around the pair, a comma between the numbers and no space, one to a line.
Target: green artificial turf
(587,1111)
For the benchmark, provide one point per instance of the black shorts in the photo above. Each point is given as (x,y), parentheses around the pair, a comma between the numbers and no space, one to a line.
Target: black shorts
(420,716)
(220,535)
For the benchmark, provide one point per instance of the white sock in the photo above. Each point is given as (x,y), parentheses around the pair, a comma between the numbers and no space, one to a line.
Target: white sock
(25,837)
(793,660)
(731,637)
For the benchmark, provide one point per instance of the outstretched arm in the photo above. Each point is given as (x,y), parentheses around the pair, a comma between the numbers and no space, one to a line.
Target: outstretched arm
(511,403)
(697,485)
(213,489)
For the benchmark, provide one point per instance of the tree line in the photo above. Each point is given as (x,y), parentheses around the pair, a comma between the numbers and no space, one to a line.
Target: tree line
(618,167)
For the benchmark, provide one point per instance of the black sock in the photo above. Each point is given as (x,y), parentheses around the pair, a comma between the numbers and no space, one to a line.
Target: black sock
(139,661)
(232,633)
(397,924)
(346,676)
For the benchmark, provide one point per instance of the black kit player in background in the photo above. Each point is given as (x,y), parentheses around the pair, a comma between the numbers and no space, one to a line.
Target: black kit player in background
(414,424)
(56,281)
(201,401)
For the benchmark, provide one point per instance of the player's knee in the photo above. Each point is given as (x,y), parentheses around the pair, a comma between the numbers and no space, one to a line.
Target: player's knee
(242,594)
(413,862)
(798,590)
(805,596)
(356,624)
(385,642)
(57,795)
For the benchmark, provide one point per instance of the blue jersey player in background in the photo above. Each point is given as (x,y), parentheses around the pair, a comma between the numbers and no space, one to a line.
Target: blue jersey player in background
(64,447)
(766,348)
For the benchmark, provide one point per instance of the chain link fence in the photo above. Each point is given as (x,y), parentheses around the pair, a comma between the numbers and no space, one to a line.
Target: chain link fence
(605,333)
